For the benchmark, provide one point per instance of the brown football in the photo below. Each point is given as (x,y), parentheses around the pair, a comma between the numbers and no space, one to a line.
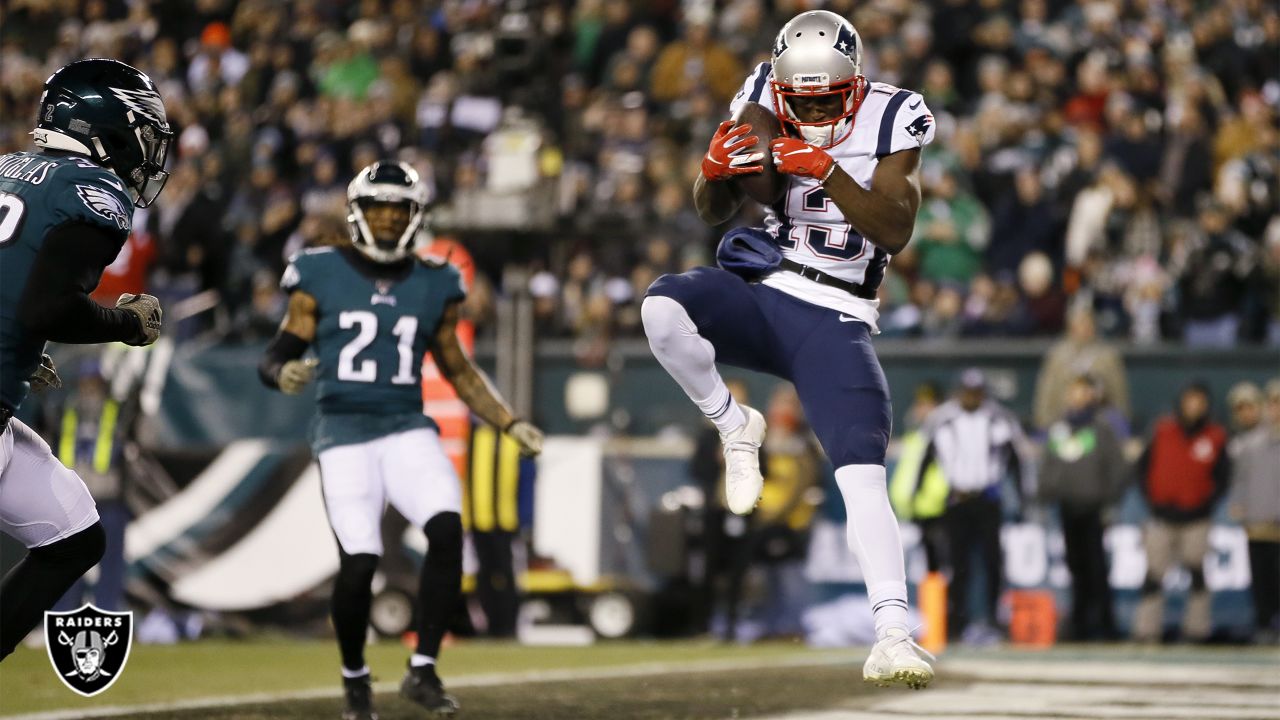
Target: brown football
(765,187)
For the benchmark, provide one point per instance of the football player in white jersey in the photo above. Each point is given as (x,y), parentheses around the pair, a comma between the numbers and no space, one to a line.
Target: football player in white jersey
(797,298)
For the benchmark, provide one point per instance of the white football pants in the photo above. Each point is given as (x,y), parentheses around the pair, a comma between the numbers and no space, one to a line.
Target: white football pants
(408,469)
(41,501)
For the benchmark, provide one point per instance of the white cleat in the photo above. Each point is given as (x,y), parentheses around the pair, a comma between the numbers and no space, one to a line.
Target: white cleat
(896,660)
(742,479)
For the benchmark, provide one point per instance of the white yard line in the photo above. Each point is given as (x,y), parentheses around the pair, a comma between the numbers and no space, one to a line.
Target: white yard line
(1087,690)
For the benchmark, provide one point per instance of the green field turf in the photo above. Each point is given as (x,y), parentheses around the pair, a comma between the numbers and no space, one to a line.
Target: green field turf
(289,679)
(157,674)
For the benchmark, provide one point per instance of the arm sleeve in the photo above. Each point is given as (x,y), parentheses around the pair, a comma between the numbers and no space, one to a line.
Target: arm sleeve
(906,124)
(55,304)
(754,89)
(285,347)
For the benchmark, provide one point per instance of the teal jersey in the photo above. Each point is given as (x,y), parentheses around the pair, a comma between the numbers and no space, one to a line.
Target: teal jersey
(371,336)
(38,193)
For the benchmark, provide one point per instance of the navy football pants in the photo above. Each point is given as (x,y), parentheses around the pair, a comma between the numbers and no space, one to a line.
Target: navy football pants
(830,361)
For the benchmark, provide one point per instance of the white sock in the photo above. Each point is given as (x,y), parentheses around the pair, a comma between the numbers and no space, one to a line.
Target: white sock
(872,533)
(349,674)
(416,660)
(690,359)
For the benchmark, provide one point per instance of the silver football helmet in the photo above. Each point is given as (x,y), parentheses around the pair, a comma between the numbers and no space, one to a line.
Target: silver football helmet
(386,181)
(818,54)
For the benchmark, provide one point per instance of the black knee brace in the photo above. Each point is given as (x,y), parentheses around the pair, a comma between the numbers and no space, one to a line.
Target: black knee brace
(444,534)
(83,550)
(355,572)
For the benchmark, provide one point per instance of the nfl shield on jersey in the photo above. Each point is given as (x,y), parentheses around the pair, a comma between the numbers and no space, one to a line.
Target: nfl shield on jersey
(39,192)
(371,335)
(806,224)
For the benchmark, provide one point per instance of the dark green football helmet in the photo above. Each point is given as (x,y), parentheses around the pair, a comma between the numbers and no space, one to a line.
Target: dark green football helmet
(112,113)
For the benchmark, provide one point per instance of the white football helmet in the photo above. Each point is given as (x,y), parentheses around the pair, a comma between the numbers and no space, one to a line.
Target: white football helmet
(386,181)
(818,53)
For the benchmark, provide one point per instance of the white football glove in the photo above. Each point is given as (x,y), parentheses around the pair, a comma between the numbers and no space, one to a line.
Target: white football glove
(45,376)
(528,437)
(295,374)
(147,309)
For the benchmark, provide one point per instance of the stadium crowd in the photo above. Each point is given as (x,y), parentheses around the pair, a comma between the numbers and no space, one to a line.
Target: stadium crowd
(1122,154)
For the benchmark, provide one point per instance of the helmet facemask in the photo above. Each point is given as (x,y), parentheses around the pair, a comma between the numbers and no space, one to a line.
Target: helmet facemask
(377,233)
(147,178)
(790,99)
(373,199)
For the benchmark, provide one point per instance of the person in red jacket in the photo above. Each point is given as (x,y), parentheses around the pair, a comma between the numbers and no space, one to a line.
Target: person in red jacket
(1183,473)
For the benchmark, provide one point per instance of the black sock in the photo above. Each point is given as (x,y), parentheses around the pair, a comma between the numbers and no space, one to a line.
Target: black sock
(440,584)
(42,577)
(352,595)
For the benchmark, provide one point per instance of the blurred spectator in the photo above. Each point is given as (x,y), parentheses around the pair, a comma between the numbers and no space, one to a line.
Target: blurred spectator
(787,505)
(128,273)
(1213,280)
(1084,473)
(1245,402)
(1080,352)
(923,506)
(1255,503)
(696,63)
(89,436)
(1022,223)
(1183,472)
(977,444)
(1085,133)
(951,231)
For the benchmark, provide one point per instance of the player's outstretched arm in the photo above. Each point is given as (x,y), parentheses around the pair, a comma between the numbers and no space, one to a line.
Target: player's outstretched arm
(475,389)
(282,366)
(55,304)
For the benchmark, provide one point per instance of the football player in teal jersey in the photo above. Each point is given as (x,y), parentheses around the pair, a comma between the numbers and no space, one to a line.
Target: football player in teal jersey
(65,212)
(368,312)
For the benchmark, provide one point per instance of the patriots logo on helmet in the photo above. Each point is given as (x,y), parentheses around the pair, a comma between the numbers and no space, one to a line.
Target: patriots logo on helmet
(920,126)
(143,102)
(105,204)
(846,41)
(780,44)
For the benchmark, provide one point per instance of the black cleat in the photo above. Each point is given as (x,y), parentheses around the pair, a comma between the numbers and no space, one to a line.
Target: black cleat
(359,694)
(421,685)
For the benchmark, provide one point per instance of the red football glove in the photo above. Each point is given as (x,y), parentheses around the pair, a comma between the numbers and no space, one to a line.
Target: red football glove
(730,154)
(793,157)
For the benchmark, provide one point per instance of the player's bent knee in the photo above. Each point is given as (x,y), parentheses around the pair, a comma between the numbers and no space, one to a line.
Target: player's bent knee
(661,317)
(444,534)
(355,572)
(80,551)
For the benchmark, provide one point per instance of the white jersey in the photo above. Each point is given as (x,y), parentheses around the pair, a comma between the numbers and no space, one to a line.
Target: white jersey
(809,228)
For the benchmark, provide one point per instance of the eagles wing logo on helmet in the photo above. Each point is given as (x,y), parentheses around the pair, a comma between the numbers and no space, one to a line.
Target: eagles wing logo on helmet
(143,102)
(88,647)
(103,203)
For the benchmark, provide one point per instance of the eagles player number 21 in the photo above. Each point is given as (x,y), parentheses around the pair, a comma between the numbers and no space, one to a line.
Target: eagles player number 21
(369,311)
